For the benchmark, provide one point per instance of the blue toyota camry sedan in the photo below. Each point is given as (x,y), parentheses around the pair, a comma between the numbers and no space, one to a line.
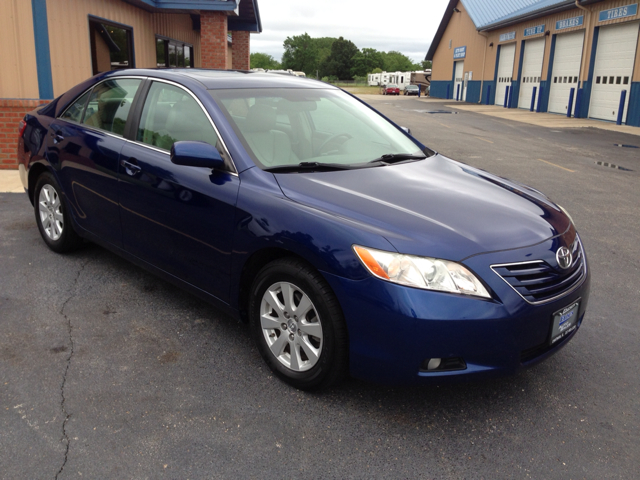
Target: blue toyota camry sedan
(346,245)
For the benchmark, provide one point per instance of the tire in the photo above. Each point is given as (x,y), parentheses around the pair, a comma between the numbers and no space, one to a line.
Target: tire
(310,324)
(52,216)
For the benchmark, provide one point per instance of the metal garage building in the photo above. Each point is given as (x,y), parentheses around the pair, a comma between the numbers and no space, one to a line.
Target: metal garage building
(575,57)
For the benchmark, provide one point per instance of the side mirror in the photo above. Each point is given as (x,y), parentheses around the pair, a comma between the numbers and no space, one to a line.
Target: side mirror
(196,154)
(406,130)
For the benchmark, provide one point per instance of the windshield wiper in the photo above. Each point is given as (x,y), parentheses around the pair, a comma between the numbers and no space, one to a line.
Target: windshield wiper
(389,158)
(308,167)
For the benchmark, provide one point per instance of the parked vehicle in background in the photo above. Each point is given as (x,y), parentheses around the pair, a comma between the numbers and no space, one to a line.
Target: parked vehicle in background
(412,90)
(391,89)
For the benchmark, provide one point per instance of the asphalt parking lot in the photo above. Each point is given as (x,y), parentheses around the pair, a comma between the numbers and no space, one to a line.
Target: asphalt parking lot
(108,372)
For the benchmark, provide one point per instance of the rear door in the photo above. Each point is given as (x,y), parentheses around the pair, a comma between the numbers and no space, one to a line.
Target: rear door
(84,144)
(175,217)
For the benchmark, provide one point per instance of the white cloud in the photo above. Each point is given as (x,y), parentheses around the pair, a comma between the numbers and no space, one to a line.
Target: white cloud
(407,27)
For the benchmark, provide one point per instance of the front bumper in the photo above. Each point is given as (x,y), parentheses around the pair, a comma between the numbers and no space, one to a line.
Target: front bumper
(393,329)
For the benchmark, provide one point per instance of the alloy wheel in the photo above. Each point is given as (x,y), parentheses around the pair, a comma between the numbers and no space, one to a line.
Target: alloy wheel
(50,210)
(291,326)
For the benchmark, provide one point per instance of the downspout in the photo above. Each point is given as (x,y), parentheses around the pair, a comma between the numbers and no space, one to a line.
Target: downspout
(484,61)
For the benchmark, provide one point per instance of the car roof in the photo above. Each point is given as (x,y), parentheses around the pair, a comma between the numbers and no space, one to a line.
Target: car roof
(219,79)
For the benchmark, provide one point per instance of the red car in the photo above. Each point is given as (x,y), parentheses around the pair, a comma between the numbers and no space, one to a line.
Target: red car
(391,89)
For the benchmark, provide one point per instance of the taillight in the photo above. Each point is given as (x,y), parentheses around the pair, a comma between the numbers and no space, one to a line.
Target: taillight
(21,128)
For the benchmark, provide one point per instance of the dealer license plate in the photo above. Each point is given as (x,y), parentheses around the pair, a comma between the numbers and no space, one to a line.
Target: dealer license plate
(565,321)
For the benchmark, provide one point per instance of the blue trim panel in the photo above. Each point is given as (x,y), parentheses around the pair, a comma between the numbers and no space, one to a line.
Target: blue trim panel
(586,85)
(492,94)
(43,54)
(192,4)
(473,91)
(242,26)
(543,96)
(545,85)
(439,88)
(633,110)
(495,75)
(515,85)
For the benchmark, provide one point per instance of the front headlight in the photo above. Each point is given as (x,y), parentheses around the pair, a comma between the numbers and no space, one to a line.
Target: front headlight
(421,272)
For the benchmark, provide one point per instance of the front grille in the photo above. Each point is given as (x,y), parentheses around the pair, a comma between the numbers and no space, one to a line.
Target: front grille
(539,282)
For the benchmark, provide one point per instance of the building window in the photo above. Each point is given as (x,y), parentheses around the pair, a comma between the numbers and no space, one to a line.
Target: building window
(173,53)
(111,46)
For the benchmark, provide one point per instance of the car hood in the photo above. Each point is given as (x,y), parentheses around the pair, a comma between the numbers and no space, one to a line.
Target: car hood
(435,207)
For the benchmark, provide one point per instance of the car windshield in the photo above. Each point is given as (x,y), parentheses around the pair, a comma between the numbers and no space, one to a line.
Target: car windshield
(391,85)
(285,127)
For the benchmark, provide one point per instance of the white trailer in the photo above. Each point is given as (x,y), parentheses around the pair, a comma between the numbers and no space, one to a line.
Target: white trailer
(401,79)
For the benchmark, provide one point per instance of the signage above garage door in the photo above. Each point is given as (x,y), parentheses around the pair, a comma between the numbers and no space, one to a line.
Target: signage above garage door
(459,52)
(507,36)
(619,12)
(537,30)
(570,22)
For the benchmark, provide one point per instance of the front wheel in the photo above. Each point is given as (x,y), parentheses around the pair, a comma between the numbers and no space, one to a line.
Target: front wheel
(298,326)
(52,216)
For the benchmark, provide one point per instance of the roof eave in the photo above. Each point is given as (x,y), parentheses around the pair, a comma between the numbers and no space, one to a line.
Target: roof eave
(567,5)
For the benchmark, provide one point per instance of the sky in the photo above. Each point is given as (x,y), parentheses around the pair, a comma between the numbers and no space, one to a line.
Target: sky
(407,27)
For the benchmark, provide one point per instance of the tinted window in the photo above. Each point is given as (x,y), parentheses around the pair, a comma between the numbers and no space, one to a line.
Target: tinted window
(170,114)
(75,111)
(110,103)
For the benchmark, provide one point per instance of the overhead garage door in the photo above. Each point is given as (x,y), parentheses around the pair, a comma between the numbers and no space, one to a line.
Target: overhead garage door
(565,71)
(505,71)
(459,94)
(531,71)
(613,70)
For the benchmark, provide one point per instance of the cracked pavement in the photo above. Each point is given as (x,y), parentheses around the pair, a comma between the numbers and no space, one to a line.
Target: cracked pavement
(108,372)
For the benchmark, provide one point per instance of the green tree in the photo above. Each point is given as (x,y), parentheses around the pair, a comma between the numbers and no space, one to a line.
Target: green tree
(263,60)
(397,62)
(301,53)
(365,61)
(376,70)
(340,61)
(425,64)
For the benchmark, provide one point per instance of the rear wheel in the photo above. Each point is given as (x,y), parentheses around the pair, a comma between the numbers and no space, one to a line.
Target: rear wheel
(298,325)
(52,216)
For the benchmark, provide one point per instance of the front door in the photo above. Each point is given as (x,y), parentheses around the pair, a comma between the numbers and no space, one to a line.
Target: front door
(177,218)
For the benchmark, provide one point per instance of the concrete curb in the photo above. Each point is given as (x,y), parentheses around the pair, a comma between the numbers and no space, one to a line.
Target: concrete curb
(10,182)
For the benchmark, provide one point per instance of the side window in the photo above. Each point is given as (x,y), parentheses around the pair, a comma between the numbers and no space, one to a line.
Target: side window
(171,115)
(75,111)
(110,103)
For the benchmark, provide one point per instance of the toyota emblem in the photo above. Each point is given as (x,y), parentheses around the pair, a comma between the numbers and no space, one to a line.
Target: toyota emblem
(564,257)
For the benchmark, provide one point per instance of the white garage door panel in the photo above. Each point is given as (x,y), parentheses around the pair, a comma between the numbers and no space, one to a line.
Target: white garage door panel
(566,70)
(505,71)
(613,70)
(458,81)
(531,71)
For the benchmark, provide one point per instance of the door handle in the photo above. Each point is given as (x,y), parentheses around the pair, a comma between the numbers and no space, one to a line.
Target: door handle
(57,137)
(131,168)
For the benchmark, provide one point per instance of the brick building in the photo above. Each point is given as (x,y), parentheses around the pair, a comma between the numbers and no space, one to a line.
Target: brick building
(51,45)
